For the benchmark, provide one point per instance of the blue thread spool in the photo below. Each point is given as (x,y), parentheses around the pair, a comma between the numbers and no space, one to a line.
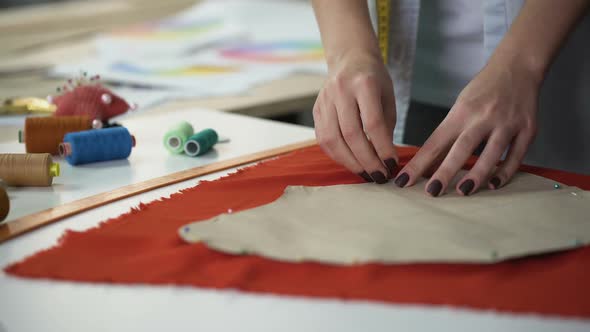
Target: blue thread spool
(201,142)
(90,146)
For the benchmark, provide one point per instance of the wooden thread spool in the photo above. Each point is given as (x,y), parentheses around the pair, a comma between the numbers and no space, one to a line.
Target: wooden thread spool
(28,169)
(4,204)
(44,134)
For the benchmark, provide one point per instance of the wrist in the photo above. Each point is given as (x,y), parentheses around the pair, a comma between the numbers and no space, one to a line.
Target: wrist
(357,54)
(530,66)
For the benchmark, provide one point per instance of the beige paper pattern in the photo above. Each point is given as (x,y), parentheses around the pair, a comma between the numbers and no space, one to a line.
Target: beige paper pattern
(347,224)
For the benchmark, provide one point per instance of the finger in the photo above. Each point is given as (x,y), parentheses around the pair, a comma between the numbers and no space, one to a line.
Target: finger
(375,125)
(480,173)
(462,149)
(389,108)
(513,160)
(331,141)
(356,139)
(435,146)
(436,163)
(317,108)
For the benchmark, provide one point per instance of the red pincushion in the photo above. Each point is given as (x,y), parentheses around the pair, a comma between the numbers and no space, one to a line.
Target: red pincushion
(88,100)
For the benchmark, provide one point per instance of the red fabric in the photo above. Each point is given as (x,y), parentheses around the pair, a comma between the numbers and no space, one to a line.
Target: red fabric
(142,246)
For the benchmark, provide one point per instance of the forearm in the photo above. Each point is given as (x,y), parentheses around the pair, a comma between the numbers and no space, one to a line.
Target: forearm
(345,26)
(537,34)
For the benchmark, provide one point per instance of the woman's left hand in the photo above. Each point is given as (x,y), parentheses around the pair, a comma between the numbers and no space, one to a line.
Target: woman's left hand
(498,106)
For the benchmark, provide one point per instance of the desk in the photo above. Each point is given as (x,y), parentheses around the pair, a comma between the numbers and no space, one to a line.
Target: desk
(39,305)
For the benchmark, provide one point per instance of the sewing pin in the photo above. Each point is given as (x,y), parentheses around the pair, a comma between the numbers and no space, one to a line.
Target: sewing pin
(494,255)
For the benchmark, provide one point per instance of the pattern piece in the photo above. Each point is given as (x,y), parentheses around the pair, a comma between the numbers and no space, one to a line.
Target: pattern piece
(348,224)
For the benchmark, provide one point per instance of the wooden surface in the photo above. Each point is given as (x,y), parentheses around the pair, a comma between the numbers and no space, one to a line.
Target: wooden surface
(36,220)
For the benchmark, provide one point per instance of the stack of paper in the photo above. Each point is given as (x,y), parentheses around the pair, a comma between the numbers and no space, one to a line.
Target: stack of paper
(214,48)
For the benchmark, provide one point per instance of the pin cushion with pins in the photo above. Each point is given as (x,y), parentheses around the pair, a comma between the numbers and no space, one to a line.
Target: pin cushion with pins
(84,95)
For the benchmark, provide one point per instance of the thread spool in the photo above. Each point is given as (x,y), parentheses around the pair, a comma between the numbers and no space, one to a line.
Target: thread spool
(97,145)
(44,134)
(201,142)
(4,204)
(177,136)
(28,169)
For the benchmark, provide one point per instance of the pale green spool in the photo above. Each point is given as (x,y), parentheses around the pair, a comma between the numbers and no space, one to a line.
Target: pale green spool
(176,137)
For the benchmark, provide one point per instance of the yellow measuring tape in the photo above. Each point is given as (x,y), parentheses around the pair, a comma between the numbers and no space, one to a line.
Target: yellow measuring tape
(383,17)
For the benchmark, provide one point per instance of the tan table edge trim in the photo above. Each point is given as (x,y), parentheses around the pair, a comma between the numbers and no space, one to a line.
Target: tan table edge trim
(33,221)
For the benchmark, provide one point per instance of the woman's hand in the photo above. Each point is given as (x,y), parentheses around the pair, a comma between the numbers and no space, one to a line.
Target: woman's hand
(499,107)
(354,116)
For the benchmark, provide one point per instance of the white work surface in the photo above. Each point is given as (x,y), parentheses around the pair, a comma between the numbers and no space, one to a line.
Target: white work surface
(149,158)
(45,305)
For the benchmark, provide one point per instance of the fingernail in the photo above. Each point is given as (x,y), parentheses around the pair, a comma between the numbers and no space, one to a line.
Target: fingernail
(402,180)
(365,176)
(391,166)
(495,182)
(466,187)
(379,177)
(434,188)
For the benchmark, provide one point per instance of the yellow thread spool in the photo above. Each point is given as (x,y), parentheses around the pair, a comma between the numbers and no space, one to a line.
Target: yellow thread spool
(27,105)
(383,19)
(4,204)
(28,169)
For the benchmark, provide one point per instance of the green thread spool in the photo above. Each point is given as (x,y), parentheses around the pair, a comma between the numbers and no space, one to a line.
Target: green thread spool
(201,142)
(176,137)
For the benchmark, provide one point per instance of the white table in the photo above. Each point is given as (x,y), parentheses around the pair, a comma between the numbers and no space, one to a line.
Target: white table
(149,158)
(37,305)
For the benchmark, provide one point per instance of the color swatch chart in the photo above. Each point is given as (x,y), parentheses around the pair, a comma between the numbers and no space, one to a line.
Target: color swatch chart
(277,51)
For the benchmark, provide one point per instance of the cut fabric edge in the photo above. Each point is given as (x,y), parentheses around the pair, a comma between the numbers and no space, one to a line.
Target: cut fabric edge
(569,311)
(63,238)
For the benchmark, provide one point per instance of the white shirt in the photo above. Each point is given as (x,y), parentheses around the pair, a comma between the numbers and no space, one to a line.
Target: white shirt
(449,49)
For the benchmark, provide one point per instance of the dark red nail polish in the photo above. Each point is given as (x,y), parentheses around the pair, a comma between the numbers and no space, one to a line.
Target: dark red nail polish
(365,176)
(495,182)
(434,188)
(402,180)
(466,187)
(391,166)
(378,177)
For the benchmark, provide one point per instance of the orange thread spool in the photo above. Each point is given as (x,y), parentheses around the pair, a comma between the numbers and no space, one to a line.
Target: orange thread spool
(43,134)
(4,204)
(28,169)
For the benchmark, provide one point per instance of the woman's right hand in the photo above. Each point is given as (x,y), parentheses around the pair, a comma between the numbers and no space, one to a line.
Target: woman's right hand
(355,116)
